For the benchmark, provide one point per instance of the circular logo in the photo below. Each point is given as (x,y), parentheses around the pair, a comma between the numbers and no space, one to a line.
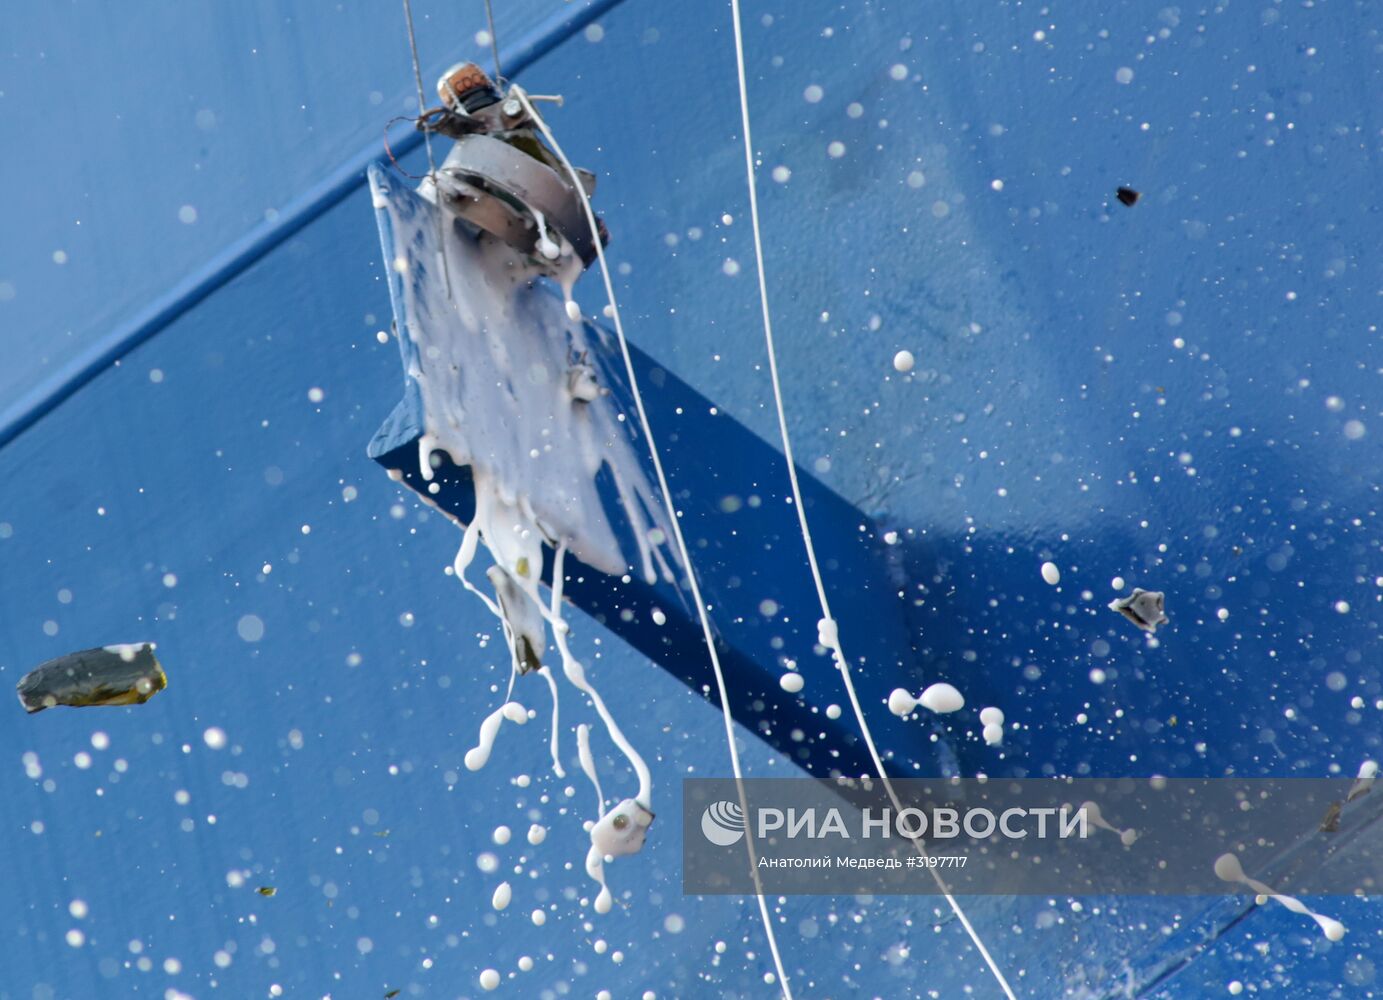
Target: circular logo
(723,823)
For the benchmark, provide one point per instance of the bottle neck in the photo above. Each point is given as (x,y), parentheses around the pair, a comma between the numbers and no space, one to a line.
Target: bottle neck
(478,98)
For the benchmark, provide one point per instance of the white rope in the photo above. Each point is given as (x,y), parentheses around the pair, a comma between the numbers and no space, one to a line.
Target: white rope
(676,532)
(832,632)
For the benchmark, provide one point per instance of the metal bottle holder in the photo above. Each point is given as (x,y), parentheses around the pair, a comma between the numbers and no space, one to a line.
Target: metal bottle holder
(500,177)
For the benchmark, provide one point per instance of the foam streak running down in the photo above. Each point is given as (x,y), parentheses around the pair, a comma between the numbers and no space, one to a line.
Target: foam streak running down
(504,376)
(827,628)
(682,549)
(464,556)
(576,673)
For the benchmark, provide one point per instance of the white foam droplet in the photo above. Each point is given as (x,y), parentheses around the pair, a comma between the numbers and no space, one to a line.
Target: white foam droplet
(503,894)
(1368,774)
(942,698)
(901,702)
(993,735)
(573,311)
(992,716)
(1051,573)
(828,633)
(791,682)
(489,979)
(1228,869)
(903,361)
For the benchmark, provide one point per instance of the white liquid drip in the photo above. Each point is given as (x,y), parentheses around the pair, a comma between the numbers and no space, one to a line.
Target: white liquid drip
(553,748)
(566,280)
(469,542)
(595,868)
(547,246)
(1093,814)
(494,366)
(583,750)
(478,756)
(576,673)
(470,539)
(1228,869)
(503,894)
(1368,774)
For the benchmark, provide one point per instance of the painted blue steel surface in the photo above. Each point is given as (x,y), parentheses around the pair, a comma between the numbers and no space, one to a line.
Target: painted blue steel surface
(1181,393)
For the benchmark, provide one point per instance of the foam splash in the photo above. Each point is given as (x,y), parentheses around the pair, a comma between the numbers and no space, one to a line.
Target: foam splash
(509,388)
(1093,814)
(1228,869)
(479,755)
(491,363)
(993,721)
(941,698)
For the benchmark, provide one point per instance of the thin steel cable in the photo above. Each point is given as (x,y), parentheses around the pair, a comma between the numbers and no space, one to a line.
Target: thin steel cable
(838,654)
(427,141)
(494,42)
(677,535)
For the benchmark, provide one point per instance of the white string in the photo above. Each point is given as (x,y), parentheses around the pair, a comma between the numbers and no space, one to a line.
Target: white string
(831,631)
(676,532)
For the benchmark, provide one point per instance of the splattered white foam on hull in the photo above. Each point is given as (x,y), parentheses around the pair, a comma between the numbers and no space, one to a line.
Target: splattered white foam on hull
(512,385)
(1228,869)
